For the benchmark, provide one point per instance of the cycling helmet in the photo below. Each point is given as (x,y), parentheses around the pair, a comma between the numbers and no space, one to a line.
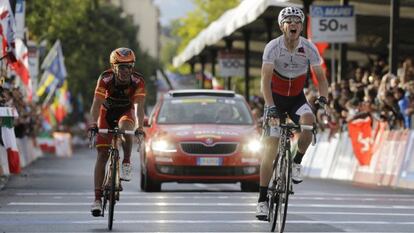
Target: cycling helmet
(122,55)
(290,11)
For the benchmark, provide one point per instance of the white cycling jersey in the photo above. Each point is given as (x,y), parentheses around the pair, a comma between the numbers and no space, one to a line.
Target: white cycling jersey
(290,69)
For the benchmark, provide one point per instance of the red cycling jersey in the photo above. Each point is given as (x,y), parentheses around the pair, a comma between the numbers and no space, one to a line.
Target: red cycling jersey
(106,88)
(290,68)
(119,102)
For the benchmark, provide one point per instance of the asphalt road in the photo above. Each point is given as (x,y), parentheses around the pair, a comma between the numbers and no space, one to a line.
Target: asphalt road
(54,195)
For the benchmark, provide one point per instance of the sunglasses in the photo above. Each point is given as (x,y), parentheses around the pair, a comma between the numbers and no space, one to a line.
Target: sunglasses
(292,20)
(124,67)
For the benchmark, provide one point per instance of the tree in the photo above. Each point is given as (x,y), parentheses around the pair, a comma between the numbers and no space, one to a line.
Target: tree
(88,31)
(187,28)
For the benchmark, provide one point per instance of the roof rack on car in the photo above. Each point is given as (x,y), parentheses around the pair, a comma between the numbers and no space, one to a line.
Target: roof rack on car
(196,92)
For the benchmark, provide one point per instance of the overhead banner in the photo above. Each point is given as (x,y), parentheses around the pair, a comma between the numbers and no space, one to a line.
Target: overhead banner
(333,24)
(231,64)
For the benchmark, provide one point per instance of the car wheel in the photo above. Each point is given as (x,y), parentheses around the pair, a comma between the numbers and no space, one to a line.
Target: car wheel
(249,187)
(149,185)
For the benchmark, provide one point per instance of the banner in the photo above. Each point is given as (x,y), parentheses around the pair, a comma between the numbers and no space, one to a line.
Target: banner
(334,24)
(361,138)
(231,64)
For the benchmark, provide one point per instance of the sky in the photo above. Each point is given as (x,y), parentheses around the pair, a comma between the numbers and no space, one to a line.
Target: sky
(172,9)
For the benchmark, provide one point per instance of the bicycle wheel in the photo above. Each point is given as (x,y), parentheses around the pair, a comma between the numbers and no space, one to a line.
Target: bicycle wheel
(273,197)
(112,190)
(283,194)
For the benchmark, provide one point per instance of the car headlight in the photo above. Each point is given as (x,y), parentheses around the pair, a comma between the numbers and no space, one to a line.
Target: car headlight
(163,146)
(253,146)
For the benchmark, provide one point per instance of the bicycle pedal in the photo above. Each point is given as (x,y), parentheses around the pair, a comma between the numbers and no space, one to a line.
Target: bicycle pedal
(262,218)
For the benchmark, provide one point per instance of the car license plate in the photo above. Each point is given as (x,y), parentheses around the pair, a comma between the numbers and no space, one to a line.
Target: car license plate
(208,161)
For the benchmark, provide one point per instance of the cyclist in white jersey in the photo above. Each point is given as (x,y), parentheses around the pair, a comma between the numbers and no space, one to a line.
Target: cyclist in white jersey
(284,71)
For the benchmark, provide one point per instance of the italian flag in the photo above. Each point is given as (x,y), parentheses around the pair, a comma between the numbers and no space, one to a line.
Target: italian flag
(9,141)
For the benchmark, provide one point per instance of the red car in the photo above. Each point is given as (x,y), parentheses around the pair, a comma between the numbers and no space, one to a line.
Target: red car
(201,136)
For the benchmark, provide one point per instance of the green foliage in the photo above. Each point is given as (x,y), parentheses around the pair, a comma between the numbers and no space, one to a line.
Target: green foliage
(187,28)
(88,32)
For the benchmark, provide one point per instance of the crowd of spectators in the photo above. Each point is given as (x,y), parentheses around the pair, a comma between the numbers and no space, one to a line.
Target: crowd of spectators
(367,91)
(29,120)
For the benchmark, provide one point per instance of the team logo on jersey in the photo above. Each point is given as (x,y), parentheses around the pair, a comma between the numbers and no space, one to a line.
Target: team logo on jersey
(106,79)
(301,50)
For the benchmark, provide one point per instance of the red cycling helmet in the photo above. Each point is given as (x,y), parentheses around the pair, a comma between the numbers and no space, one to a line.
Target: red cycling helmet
(122,55)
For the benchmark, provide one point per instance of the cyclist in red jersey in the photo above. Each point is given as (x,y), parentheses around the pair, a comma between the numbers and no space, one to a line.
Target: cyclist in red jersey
(117,92)
(284,70)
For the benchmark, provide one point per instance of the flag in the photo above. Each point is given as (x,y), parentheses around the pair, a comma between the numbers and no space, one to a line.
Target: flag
(21,65)
(48,120)
(361,138)
(7,30)
(19,15)
(61,104)
(54,69)
(321,46)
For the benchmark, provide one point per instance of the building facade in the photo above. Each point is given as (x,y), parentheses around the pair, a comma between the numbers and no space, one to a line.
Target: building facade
(145,15)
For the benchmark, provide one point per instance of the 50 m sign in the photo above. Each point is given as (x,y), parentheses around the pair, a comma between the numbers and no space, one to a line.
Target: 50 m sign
(334,24)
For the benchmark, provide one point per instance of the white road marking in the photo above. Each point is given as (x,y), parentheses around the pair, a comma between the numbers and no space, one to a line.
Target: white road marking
(103,221)
(395,198)
(202,212)
(347,206)
(227,194)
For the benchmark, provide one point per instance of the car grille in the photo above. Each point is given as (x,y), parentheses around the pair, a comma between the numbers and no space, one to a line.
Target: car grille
(207,170)
(200,148)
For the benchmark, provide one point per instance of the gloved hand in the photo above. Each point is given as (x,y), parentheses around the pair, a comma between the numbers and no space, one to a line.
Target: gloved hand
(139,132)
(271,112)
(92,129)
(321,101)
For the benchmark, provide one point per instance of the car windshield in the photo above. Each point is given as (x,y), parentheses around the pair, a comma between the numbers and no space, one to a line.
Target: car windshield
(205,110)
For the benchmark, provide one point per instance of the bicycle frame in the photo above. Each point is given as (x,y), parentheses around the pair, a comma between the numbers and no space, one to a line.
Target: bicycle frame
(112,180)
(280,186)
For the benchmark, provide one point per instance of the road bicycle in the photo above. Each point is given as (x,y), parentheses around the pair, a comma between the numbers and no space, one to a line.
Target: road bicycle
(112,181)
(280,186)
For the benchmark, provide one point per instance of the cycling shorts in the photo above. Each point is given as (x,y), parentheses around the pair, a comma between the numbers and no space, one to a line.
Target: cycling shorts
(294,106)
(104,140)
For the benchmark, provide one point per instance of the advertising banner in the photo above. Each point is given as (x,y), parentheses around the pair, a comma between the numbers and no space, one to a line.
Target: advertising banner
(231,64)
(333,24)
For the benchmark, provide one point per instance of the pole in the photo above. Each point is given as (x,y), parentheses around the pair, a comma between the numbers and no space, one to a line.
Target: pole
(394,35)
(202,71)
(333,68)
(246,35)
(343,50)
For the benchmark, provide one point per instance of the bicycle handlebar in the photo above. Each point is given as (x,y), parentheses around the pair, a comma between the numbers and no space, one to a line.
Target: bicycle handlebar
(116,131)
(92,137)
(296,127)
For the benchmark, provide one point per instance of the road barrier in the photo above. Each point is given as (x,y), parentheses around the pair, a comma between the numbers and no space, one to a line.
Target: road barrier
(392,162)
(4,164)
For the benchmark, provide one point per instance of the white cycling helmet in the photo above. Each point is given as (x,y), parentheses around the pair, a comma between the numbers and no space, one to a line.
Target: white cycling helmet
(290,11)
